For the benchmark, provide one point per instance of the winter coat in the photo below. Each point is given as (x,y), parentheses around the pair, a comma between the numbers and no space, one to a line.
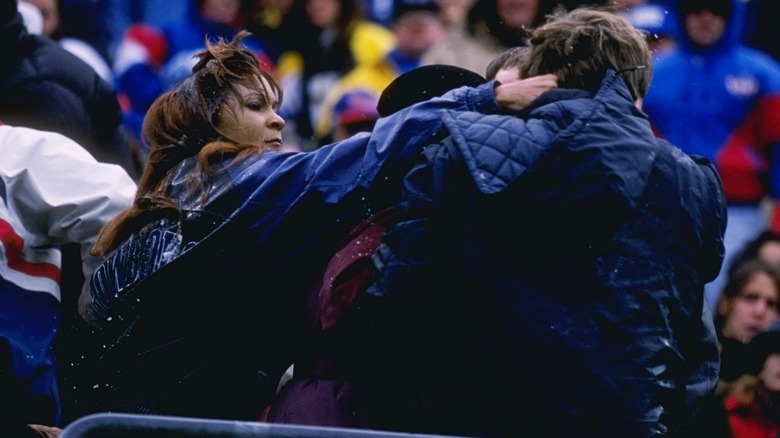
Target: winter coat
(199,313)
(52,192)
(723,103)
(750,410)
(44,86)
(545,273)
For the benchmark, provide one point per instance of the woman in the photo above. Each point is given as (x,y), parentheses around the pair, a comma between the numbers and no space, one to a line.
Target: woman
(748,305)
(197,306)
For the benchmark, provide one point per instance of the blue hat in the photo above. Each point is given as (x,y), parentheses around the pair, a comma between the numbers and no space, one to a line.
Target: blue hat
(356,106)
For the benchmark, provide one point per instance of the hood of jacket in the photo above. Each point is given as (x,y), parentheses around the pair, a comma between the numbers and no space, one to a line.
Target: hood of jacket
(732,34)
(600,130)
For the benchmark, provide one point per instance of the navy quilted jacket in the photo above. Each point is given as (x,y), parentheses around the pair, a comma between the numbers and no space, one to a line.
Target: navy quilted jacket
(545,273)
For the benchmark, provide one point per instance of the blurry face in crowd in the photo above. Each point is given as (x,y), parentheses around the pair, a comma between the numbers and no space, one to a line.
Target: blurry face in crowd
(704,28)
(416,32)
(253,119)
(517,13)
(770,251)
(221,11)
(770,373)
(752,310)
(454,11)
(323,13)
(51,15)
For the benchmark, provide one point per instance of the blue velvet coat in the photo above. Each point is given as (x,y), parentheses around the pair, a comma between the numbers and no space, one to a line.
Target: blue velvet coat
(197,313)
(545,273)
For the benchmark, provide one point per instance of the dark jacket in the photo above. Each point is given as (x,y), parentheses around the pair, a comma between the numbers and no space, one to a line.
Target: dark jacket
(198,314)
(546,273)
(44,86)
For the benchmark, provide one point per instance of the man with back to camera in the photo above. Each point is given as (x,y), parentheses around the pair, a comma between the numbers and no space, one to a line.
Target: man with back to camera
(545,272)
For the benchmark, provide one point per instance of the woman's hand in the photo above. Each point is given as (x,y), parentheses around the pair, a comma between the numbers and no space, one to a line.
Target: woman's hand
(516,95)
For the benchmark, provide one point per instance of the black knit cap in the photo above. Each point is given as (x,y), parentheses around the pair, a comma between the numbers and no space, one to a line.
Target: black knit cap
(424,83)
(762,345)
(722,8)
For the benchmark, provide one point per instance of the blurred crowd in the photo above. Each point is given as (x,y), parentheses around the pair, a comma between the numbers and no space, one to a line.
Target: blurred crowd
(320,49)
(715,92)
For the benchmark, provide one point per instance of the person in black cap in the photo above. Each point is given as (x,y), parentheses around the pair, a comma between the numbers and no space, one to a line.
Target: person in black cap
(543,272)
(424,83)
(416,26)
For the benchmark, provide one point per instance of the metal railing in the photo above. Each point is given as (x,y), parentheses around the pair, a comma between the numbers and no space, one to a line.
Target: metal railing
(113,425)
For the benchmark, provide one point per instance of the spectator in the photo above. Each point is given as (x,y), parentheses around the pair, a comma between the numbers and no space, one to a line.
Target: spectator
(652,17)
(267,22)
(752,404)
(765,246)
(211,19)
(44,86)
(416,27)
(52,192)
(491,311)
(354,112)
(323,390)
(52,28)
(491,27)
(715,97)
(748,305)
(218,207)
(326,39)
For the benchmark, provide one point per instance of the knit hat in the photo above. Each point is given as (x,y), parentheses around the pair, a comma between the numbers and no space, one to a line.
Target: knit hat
(423,83)
(762,345)
(355,106)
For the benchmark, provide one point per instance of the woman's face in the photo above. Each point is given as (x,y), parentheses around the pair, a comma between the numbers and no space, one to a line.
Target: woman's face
(252,118)
(752,310)
(770,373)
